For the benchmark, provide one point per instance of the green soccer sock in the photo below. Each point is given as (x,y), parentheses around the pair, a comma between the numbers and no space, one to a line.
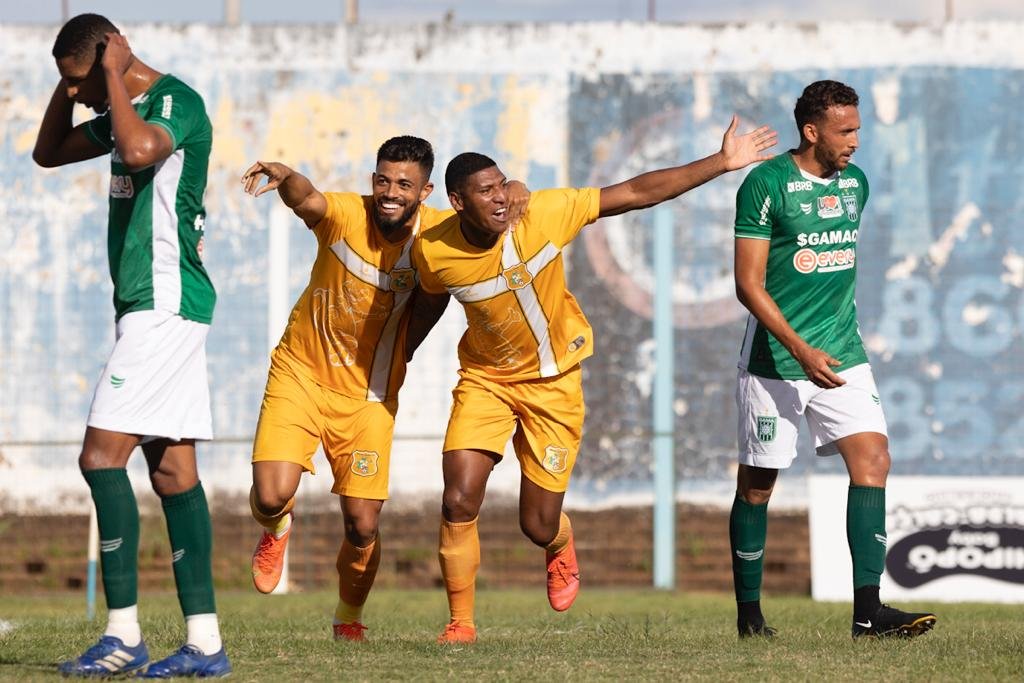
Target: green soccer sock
(865,532)
(118,517)
(748,529)
(191,534)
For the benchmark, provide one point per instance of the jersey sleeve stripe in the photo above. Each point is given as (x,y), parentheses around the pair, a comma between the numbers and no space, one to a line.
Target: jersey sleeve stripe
(166,126)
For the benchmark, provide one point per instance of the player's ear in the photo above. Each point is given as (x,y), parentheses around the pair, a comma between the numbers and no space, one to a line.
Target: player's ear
(425,192)
(810,132)
(456,201)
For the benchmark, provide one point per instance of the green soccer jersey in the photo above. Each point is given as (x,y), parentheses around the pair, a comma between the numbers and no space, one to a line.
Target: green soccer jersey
(155,225)
(811,274)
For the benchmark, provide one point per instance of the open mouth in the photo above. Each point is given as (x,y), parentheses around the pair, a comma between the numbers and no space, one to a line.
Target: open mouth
(501,215)
(389,208)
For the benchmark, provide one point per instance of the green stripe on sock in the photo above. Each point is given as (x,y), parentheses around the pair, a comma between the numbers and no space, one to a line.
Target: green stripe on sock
(118,517)
(865,532)
(748,529)
(191,534)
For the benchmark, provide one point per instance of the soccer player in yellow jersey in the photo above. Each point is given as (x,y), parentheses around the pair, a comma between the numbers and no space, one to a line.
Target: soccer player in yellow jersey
(520,355)
(335,375)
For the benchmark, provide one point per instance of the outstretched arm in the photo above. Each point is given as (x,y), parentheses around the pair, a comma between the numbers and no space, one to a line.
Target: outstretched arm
(653,188)
(427,309)
(295,189)
(58,142)
(751,264)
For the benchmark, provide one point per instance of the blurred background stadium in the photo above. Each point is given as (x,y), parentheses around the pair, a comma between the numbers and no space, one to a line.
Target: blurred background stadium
(562,92)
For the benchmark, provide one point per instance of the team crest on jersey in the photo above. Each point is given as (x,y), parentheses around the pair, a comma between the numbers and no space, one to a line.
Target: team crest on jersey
(121,187)
(402,279)
(556,459)
(364,463)
(766,428)
(829,206)
(517,276)
(852,209)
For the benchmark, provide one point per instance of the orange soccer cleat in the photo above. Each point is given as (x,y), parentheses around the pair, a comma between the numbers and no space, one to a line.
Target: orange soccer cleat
(268,560)
(457,634)
(563,578)
(351,631)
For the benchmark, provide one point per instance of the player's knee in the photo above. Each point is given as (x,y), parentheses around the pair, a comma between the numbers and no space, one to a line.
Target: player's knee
(95,458)
(270,500)
(171,483)
(539,530)
(876,467)
(755,496)
(457,506)
(361,530)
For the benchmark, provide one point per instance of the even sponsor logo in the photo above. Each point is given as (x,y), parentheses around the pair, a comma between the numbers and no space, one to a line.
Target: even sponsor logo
(808,261)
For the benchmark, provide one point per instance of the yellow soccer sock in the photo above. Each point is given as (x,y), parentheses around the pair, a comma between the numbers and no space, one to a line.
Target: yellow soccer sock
(357,568)
(460,559)
(561,539)
(275,524)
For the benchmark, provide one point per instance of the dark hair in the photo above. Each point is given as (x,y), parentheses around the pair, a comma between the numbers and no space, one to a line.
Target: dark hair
(818,97)
(408,148)
(81,35)
(463,166)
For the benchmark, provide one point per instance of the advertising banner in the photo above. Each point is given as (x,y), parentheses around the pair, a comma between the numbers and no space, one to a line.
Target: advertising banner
(950,539)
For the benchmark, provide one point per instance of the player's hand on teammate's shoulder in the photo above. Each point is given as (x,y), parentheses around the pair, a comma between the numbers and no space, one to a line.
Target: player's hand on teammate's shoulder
(742,150)
(117,54)
(518,197)
(817,365)
(275,173)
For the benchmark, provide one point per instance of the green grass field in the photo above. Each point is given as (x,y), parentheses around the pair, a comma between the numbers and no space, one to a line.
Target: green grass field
(607,635)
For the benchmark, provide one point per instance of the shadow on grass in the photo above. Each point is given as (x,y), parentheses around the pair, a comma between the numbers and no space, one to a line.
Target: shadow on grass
(45,667)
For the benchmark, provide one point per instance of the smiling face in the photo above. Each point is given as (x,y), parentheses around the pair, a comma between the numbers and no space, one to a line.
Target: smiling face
(834,137)
(482,201)
(398,189)
(83,79)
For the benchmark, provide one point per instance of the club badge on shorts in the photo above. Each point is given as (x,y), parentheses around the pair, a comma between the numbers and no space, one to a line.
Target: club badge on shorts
(766,427)
(364,463)
(555,459)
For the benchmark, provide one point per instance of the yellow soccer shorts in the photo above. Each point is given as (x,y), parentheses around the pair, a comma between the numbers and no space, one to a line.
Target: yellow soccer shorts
(544,417)
(298,414)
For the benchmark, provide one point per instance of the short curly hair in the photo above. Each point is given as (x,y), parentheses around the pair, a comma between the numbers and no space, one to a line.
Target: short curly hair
(80,37)
(408,148)
(818,97)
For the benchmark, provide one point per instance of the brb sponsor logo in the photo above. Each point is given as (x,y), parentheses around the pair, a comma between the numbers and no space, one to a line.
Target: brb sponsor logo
(980,540)
(808,261)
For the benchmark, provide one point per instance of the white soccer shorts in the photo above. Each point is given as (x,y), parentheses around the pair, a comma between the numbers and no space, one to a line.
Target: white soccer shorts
(770,411)
(154,383)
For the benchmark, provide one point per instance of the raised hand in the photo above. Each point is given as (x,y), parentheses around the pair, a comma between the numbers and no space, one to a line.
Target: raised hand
(274,172)
(117,54)
(741,150)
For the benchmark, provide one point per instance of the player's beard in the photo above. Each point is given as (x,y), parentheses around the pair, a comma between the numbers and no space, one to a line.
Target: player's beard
(388,225)
(831,161)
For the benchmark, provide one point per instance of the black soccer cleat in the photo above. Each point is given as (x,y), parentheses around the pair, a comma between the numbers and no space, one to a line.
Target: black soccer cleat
(751,629)
(889,622)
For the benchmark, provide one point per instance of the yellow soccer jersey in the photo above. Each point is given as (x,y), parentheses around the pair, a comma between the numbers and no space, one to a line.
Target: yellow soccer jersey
(522,321)
(347,330)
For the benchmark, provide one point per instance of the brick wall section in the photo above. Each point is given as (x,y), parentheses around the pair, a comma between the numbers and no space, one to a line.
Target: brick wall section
(47,553)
